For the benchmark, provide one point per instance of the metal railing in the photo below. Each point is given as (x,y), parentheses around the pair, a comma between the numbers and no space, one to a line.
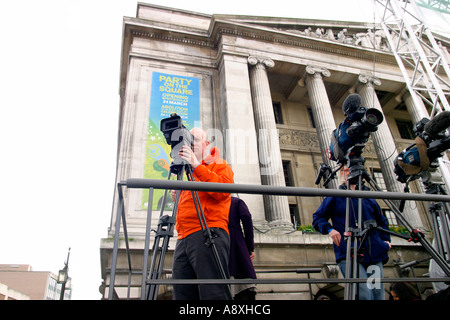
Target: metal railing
(152,184)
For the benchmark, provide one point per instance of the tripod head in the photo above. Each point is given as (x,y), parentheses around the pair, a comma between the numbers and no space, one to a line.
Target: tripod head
(353,159)
(355,164)
(179,169)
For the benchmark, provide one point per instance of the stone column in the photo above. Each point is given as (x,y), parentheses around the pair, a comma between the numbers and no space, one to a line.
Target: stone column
(321,109)
(236,119)
(276,207)
(385,146)
(416,107)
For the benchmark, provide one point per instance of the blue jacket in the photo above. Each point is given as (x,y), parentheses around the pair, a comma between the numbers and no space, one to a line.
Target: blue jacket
(375,249)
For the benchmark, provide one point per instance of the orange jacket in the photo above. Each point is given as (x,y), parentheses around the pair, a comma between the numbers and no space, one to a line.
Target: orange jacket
(216,206)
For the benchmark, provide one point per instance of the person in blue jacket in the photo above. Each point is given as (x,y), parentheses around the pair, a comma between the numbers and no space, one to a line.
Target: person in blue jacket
(374,252)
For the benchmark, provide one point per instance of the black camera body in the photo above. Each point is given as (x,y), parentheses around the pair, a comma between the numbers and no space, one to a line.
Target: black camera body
(177,135)
(435,134)
(437,141)
(354,130)
(430,143)
(349,138)
(363,122)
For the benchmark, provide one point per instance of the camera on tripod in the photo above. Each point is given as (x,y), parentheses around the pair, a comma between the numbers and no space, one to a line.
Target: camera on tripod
(177,135)
(355,129)
(348,140)
(430,142)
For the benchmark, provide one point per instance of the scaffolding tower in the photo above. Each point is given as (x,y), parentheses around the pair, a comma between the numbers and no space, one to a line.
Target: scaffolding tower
(415,47)
(437,5)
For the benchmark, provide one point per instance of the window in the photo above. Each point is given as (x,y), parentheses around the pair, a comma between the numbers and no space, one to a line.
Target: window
(379,180)
(295,217)
(390,216)
(277,112)
(406,129)
(52,289)
(378,177)
(287,173)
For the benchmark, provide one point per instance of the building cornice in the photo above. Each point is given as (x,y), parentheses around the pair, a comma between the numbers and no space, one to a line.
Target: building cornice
(219,28)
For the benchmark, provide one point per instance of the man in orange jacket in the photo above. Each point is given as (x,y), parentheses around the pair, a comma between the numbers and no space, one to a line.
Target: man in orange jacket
(192,258)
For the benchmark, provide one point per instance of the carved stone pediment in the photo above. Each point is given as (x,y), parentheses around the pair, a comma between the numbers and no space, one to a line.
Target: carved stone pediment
(364,38)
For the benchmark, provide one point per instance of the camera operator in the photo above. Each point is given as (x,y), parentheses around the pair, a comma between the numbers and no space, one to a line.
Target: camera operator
(375,248)
(192,258)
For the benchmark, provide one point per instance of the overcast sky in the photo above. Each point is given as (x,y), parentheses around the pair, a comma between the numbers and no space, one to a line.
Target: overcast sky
(59,82)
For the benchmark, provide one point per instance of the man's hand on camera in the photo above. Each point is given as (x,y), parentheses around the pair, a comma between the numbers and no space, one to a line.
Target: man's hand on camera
(188,155)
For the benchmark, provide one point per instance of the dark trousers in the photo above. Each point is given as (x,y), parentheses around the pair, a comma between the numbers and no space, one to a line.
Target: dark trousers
(194,260)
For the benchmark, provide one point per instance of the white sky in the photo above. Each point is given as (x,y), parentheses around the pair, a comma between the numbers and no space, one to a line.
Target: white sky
(59,103)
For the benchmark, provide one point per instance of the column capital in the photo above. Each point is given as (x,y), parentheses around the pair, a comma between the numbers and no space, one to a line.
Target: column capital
(313,70)
(369,80)
(266,62)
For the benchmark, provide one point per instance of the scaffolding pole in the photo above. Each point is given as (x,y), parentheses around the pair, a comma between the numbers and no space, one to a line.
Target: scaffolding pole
(415,47)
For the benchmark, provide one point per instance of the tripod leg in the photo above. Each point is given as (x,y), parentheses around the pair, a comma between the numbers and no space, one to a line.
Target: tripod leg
(419,237)
(207,232)
(442,225)
(353,234)
(168,223)
(435,217)
(198,208)
(445,231)
(355,248)
(349,289)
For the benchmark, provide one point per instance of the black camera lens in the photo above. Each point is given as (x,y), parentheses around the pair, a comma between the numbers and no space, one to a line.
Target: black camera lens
(372,119)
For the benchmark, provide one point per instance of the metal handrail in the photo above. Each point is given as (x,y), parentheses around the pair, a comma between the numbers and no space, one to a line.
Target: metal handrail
(291,281)
(246,189)
(276,190)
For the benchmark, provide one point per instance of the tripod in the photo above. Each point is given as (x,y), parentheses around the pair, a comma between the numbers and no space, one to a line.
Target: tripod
(439,212)
(165,230)
(357,172)
(355,162)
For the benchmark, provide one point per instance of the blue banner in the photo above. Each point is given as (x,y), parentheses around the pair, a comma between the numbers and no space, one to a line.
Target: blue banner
(170,94)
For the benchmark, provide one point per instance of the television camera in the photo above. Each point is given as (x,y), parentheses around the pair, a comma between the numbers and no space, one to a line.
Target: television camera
(348,140)
(432,139)
(177,135)
(355,129)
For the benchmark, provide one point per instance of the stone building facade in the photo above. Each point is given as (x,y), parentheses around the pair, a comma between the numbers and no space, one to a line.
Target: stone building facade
(272,90)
